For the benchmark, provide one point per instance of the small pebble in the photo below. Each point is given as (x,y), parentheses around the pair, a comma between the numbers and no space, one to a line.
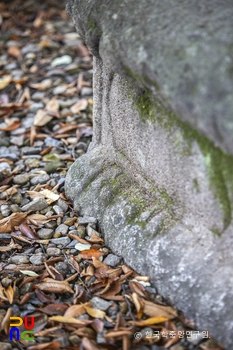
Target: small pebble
(112,260)
(58,90)
(21,179)
(19,259)
(62,205)
(83,220)
(36,204)
(5,210)
(45,233)
(40,179)
(37,259)
(66,59)
(63,229)
(62,241)
(53,251)
(99,303)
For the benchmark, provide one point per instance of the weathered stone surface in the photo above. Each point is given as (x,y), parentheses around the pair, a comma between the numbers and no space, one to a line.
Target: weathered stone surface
(158,174)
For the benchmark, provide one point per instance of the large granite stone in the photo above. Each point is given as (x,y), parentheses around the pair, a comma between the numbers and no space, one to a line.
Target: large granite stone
(158,174)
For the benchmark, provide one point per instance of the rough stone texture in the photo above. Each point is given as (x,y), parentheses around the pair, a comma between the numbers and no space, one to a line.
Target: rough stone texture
(158,174)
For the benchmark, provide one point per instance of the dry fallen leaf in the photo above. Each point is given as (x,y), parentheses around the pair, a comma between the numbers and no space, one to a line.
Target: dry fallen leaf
(42,118)
(43,85)
(54,345)
(94,312)
(52,105)
(49,285)
(4,81)
(11,246)
(149,321)
(7,224)
(75,310)
(88,345)
(64,319)
(90,253)
(50,196)
(15,124)
(81,105)
(152,309)
(9,292)
(14,51)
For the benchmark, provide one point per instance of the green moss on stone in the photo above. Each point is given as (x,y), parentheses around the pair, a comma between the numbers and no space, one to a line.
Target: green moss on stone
(219,164)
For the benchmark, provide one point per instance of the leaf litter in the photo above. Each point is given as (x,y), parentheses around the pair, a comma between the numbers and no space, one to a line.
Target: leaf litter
(50,267)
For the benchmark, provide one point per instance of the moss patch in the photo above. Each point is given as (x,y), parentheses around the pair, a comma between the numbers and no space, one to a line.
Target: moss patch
(219,164)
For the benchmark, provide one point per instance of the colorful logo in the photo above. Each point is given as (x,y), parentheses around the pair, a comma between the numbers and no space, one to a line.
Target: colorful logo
(15,332)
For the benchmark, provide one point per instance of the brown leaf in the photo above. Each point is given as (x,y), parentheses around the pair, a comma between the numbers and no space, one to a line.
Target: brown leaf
(95,239)
(66,319)
(9,292)
(94,312)
(27,231)
(54,286)
(138,304)
(90,253)
(56,275)
(53,345)
(150,321)
(54,309)
(118,334)
(52,105)
(66,128)
(5,81)
(11,246)
(7,224)
(43,85)
(88,345)
(5,325)
(81,105)
(14,51)
(12,126)
(42,118)
(75,310)
(152,309)
(44,298)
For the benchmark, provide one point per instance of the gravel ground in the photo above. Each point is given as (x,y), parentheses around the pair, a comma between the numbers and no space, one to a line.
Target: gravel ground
(54,264)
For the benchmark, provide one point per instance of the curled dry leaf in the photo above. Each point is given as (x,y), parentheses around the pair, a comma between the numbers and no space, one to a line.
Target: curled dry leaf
(9,292)
(65,319)
(90,253)
(150,321)
(12,126)
(53,345)
(11,246)
(27,231)
(14,51)
(52,105)
(7,224)
(88,345)
(5,325)
(152,309)
(4,81)
(81,105)
(75,310)
(43,85)
(49,285)
(118,334)
(54,309)
(94,312)
(42,118)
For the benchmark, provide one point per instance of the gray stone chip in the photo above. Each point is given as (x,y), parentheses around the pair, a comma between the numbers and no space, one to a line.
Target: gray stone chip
(36,204)
(101,304)
(112,260)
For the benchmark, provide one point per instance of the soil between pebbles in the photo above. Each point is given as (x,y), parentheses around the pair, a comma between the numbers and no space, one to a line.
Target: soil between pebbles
(53,263)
